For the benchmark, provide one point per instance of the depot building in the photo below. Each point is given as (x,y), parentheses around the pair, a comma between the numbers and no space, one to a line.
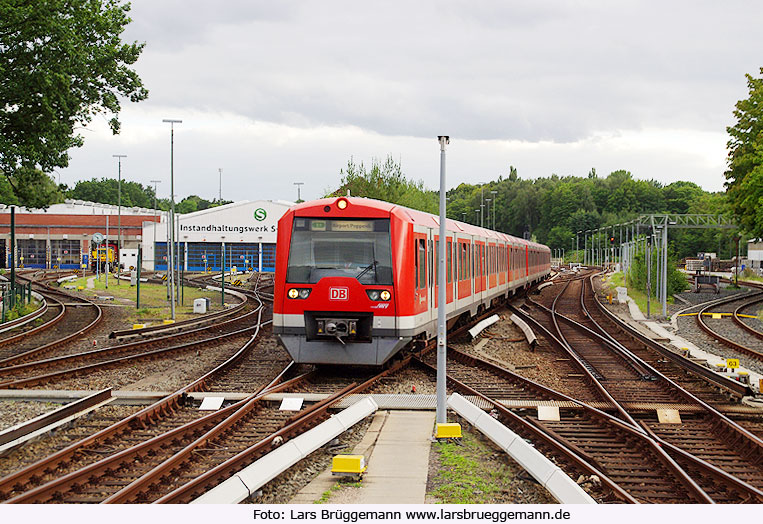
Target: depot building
(242,234)
(61,236)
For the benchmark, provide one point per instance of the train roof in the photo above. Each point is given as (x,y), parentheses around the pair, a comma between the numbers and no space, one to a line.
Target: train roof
(414,216)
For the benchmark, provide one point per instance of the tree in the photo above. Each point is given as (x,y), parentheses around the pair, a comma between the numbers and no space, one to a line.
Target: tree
(106,191)
(386,181)
(61,63)
(34,189)
(744,176)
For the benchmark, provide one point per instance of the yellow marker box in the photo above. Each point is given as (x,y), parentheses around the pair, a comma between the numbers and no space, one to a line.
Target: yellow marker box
(138,326)
(168,321)
(448,430)
(348,464)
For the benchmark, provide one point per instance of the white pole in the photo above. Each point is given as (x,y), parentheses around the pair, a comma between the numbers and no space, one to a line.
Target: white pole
(442,294)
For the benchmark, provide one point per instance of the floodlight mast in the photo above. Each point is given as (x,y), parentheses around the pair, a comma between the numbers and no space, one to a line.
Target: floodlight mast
(171,261)
(119,213)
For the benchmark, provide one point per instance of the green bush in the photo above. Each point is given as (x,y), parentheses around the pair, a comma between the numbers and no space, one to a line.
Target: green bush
(20,309)
(637,275)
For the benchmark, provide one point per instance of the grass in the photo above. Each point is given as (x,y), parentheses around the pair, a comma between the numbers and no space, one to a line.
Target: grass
(153,298)
(467,475)
(748,274)
(616,280)
(22,310)
(326,496)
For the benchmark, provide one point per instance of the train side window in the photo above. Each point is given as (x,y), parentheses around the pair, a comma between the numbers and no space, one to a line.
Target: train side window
(449,258)
(469,262)
(421,264)
(437,262)
(430,260)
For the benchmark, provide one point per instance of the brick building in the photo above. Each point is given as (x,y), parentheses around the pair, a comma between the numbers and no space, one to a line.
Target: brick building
(61,235)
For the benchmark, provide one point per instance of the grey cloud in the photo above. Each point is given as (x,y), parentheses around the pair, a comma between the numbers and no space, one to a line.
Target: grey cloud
(498,70)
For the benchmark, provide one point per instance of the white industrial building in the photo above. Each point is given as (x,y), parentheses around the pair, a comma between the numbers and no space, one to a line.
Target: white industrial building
(246,230)
(755,253)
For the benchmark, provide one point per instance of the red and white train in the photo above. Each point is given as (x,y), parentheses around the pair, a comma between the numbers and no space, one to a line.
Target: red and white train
(356,279)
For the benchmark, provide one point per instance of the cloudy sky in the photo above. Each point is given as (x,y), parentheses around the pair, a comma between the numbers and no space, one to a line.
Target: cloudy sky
(282,92)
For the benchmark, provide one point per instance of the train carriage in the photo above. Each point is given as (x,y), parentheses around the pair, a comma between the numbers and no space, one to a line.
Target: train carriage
(356,279)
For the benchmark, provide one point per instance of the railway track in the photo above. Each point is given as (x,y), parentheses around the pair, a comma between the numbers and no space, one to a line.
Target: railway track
(589,441)
(68,319)
(142,429)
(721,320)
(177,465)
(706,439)
(41,372)
(228,331)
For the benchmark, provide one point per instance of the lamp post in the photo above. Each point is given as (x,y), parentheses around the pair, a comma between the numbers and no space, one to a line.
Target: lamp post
(172,123)
(153,249)
(299,197)
(220,186)
(119,212)
(482,204)
(488,200)
(495,204)
(441,334)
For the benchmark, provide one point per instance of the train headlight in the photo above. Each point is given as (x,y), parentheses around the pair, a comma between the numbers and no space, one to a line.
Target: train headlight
(342,203)
(304,293)
(293,293)
(377,295)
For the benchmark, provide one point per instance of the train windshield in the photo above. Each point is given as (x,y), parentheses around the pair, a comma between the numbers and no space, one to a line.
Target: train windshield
(356,248)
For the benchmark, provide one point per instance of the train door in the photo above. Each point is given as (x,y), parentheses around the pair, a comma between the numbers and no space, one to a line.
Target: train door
(432,261)
(449,265)
(493,272)
(502,278)
(483,267)
(527,262)
(421,285)
(436,272)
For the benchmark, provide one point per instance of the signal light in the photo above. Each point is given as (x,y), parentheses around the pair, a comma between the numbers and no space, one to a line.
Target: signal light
(342,203)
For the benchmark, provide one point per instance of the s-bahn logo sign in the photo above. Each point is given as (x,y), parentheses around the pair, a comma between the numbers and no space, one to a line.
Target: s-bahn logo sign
(339,293)
(260,214)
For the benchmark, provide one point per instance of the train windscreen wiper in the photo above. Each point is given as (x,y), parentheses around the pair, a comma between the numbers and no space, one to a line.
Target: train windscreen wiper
(366,269)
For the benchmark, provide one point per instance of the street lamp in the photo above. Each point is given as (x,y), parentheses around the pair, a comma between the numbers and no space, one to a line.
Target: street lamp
(220,186)
(172,123)
(488,200)
(299,197)
(119,213)
(495,204)
(482,203)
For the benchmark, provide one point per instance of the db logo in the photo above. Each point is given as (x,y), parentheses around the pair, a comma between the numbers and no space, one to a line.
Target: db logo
(339,293)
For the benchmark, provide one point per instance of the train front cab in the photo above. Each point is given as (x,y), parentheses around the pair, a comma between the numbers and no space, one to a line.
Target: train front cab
(336,299)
